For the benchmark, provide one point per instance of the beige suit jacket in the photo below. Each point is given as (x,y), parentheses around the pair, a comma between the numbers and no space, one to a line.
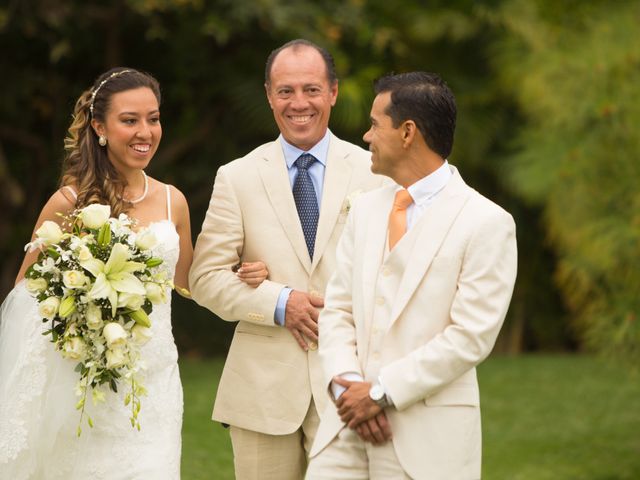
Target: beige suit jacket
(422,318)
(268,380)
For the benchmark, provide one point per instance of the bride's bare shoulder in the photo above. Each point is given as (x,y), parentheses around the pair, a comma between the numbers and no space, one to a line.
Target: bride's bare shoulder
(60,203)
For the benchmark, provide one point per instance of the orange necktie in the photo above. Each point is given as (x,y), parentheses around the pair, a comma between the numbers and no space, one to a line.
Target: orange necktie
(398,217)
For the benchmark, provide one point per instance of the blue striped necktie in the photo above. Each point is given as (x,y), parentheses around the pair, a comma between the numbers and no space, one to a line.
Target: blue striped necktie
(306,201)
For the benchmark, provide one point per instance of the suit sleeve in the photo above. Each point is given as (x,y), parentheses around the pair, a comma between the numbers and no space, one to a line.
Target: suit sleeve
(219,247)
(337,346)
(479,307)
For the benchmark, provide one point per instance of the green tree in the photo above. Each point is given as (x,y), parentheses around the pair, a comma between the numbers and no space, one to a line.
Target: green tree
(209,57)
(573,69)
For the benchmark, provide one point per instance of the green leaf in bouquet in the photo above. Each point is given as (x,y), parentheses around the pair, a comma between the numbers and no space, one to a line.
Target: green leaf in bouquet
(141,318)
(31,272)
(154,262)
(113,385)
(147,306)
(53,253)
(104,235)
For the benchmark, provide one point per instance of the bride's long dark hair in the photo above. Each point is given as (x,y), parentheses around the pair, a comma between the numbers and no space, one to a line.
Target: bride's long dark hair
(86,166)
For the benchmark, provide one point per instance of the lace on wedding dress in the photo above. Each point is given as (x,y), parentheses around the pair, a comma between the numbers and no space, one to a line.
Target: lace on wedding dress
(37,416)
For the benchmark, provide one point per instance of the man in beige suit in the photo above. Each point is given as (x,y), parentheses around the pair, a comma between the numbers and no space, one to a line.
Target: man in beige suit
(285,203)
(425,273)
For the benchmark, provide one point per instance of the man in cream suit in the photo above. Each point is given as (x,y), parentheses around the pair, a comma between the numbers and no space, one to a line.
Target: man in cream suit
(425,273)
(285,203)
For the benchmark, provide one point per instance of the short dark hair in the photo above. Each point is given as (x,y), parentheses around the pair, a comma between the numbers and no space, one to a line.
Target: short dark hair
(424,98)
(295,44)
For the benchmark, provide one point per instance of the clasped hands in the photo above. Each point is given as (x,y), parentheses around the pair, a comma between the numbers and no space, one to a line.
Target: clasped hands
(362,414)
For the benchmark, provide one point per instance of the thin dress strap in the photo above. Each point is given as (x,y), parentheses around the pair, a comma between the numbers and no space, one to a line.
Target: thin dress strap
(71,191)
(168,202)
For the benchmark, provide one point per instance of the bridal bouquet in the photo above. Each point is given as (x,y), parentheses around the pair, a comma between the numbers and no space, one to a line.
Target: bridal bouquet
(96,283)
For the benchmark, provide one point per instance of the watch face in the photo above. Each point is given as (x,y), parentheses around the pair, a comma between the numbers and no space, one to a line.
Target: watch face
(376,393)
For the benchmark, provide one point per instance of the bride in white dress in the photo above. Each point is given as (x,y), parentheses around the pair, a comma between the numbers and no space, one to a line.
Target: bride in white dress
(115,133)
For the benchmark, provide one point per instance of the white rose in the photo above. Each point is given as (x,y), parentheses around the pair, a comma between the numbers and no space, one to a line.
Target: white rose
(49,232)
(114,334)
(146,240)
(49,307)
(37,285)
(155,293)
(115,358)
(140,334)
(95,215)
(93,315)
(74,348)
(84,253)
(74,279)
(130,300)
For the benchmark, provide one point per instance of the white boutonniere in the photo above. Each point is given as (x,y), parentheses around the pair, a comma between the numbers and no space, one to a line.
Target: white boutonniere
(348,201)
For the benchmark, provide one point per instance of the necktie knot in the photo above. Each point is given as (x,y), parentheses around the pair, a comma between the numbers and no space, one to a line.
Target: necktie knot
(403,200)
(304,161)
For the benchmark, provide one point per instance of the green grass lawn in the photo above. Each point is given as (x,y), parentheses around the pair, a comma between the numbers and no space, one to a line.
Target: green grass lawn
(544,417)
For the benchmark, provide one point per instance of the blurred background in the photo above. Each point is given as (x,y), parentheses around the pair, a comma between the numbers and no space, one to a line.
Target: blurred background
(548,94)
(549,103)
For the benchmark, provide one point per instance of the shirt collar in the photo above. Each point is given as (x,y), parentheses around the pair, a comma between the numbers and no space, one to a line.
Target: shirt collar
(429,186)
(320,150)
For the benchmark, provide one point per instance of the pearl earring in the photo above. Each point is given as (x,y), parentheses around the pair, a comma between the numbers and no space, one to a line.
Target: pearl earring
(102,140)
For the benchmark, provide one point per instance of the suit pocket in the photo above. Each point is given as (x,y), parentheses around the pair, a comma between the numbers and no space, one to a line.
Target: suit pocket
(256,330)
(455,395)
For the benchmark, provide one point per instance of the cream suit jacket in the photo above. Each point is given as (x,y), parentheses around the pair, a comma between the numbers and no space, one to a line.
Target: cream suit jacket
(422,319)
(268,380)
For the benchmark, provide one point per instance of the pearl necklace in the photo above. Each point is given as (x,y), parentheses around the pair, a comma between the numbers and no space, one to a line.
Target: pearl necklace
(144,192)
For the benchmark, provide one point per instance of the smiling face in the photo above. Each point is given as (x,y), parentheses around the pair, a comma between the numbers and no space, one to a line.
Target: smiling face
(132,128)
(385,141)
(300,95)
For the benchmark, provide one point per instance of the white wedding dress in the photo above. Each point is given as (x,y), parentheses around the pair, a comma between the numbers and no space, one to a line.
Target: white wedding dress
(38,419)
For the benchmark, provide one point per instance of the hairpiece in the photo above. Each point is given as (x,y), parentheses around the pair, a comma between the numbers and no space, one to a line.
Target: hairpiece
(95,92)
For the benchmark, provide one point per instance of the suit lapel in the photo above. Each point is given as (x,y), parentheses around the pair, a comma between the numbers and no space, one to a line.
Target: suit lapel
(433,227)
(273,171)
(337,177)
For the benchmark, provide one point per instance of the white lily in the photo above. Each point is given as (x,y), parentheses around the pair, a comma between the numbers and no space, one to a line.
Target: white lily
(115,276)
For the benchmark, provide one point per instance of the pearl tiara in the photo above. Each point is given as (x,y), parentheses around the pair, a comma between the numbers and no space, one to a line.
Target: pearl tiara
(95,92)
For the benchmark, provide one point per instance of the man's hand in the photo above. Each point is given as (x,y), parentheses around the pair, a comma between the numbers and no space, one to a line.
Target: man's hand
(376,430)
(301,317)
(354,405)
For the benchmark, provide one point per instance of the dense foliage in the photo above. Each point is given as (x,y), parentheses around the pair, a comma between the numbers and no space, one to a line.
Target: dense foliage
(546,98)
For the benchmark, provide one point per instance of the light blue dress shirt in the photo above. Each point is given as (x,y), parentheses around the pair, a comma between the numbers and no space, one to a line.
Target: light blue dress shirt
(316,172)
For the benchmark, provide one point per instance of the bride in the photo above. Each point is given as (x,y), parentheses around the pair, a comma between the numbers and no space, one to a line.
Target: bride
(114,134)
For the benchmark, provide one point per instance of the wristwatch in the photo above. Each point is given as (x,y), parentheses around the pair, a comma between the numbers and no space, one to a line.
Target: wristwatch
(377,394)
